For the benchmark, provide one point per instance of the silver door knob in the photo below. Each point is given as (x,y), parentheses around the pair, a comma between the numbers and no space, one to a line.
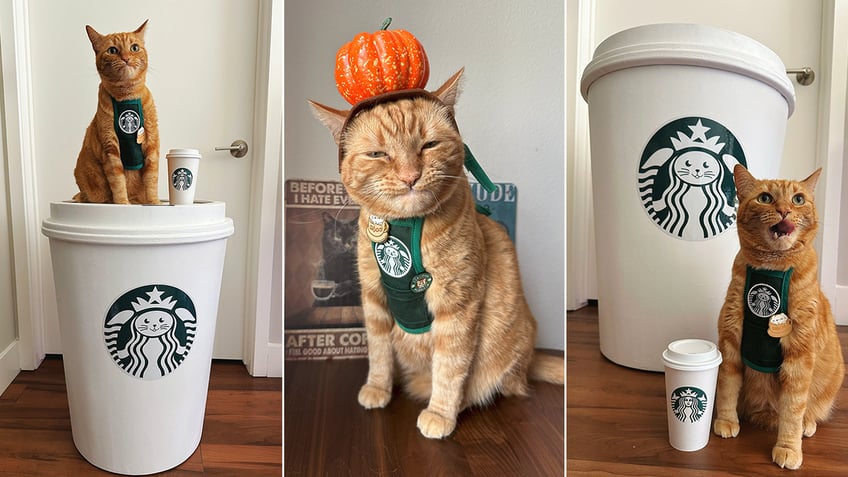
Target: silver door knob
(238,148)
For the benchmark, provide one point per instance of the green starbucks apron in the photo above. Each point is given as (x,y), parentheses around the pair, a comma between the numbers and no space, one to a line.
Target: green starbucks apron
(129,121)
(766,294)
(403,276)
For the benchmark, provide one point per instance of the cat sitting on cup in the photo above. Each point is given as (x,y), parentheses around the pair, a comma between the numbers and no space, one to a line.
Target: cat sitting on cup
(119,159)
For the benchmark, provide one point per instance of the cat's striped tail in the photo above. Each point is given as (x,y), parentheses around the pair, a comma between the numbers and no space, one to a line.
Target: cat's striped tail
(547,367)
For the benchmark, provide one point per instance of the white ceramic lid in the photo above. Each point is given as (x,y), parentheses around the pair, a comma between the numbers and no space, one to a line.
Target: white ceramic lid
(689,44)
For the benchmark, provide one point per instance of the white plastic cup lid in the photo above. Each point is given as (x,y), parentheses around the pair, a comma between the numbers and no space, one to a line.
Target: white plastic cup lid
(691,45)
(691,354)
(184,152)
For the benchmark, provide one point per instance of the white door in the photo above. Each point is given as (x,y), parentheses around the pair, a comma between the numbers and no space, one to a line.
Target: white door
(790,28)
(203,57)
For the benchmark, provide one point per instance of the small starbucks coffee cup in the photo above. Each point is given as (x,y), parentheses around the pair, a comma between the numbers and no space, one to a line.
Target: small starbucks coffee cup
(183,166)
(691,371)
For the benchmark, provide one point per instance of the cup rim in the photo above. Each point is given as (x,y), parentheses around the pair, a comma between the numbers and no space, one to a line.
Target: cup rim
(183,152)
(691,354)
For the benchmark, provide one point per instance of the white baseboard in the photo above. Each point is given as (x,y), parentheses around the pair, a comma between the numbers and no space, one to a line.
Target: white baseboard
(10,365)
(275,360)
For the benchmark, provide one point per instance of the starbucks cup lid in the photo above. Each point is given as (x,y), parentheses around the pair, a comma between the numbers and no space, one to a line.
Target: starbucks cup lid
(184,152)
(692,45)
(691,355)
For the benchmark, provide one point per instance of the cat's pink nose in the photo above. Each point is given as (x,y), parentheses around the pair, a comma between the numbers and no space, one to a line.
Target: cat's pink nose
(409,177)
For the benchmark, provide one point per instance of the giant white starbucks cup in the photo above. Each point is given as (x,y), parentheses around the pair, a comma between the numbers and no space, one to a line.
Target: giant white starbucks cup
(672,109)
(137,291)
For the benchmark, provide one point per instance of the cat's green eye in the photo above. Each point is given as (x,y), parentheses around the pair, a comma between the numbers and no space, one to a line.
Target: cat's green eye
(765,198)
(376,154)
(430,144)
(798,199)
(135,47)
(112,50)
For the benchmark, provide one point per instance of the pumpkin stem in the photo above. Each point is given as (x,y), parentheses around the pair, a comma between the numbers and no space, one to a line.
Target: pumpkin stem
(386,23)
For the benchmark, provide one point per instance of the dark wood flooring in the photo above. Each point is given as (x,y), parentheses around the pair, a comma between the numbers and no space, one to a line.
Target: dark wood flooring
(328,433)
(616,423)
(242,433)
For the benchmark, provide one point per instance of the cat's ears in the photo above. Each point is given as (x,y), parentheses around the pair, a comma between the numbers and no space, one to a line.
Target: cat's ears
(746,183)
(94,37)
(811,181)
(334,119)
(449,92)
(140,30)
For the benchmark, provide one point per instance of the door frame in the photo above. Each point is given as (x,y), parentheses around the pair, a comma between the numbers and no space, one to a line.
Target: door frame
(831,150)
(830,154)
(259,353)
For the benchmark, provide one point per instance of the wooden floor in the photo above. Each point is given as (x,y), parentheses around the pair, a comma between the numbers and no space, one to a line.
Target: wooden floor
(242,433)
(329,434)
(616,423)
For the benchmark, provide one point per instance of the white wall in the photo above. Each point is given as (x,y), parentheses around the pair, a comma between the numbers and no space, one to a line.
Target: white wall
(511,112)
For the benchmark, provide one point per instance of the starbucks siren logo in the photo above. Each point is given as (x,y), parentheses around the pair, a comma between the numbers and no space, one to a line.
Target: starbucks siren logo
(149,330)
(182,178)
(685,178)
(763,300)
(393,257)
(689,404)
(129,121)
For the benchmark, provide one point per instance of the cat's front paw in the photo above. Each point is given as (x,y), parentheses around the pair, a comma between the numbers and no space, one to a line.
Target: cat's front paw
(725,428)
(435,426)
(371,397)
(786,457)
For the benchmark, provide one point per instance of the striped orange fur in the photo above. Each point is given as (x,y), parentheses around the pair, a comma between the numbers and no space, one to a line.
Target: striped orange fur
(801,394)
(121,60)
(403,159)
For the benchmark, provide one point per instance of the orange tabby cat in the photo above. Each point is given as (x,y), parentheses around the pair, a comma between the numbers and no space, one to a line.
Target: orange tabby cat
(402,157)
(787,383)
(119,159)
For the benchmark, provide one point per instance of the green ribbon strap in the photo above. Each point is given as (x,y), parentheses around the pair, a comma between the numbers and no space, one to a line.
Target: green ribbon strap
(477,171)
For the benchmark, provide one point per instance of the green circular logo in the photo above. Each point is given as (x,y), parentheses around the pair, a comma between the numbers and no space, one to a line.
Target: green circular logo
(689,404)
(393,257)
(149,330)
(685,178)
(182,178)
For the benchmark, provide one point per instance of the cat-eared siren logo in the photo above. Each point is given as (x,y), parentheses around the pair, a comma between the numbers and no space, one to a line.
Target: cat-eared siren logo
(129,121)
(763,300)
(182,178)
(686,178)
(393,257)
(149,330)
(689,404)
